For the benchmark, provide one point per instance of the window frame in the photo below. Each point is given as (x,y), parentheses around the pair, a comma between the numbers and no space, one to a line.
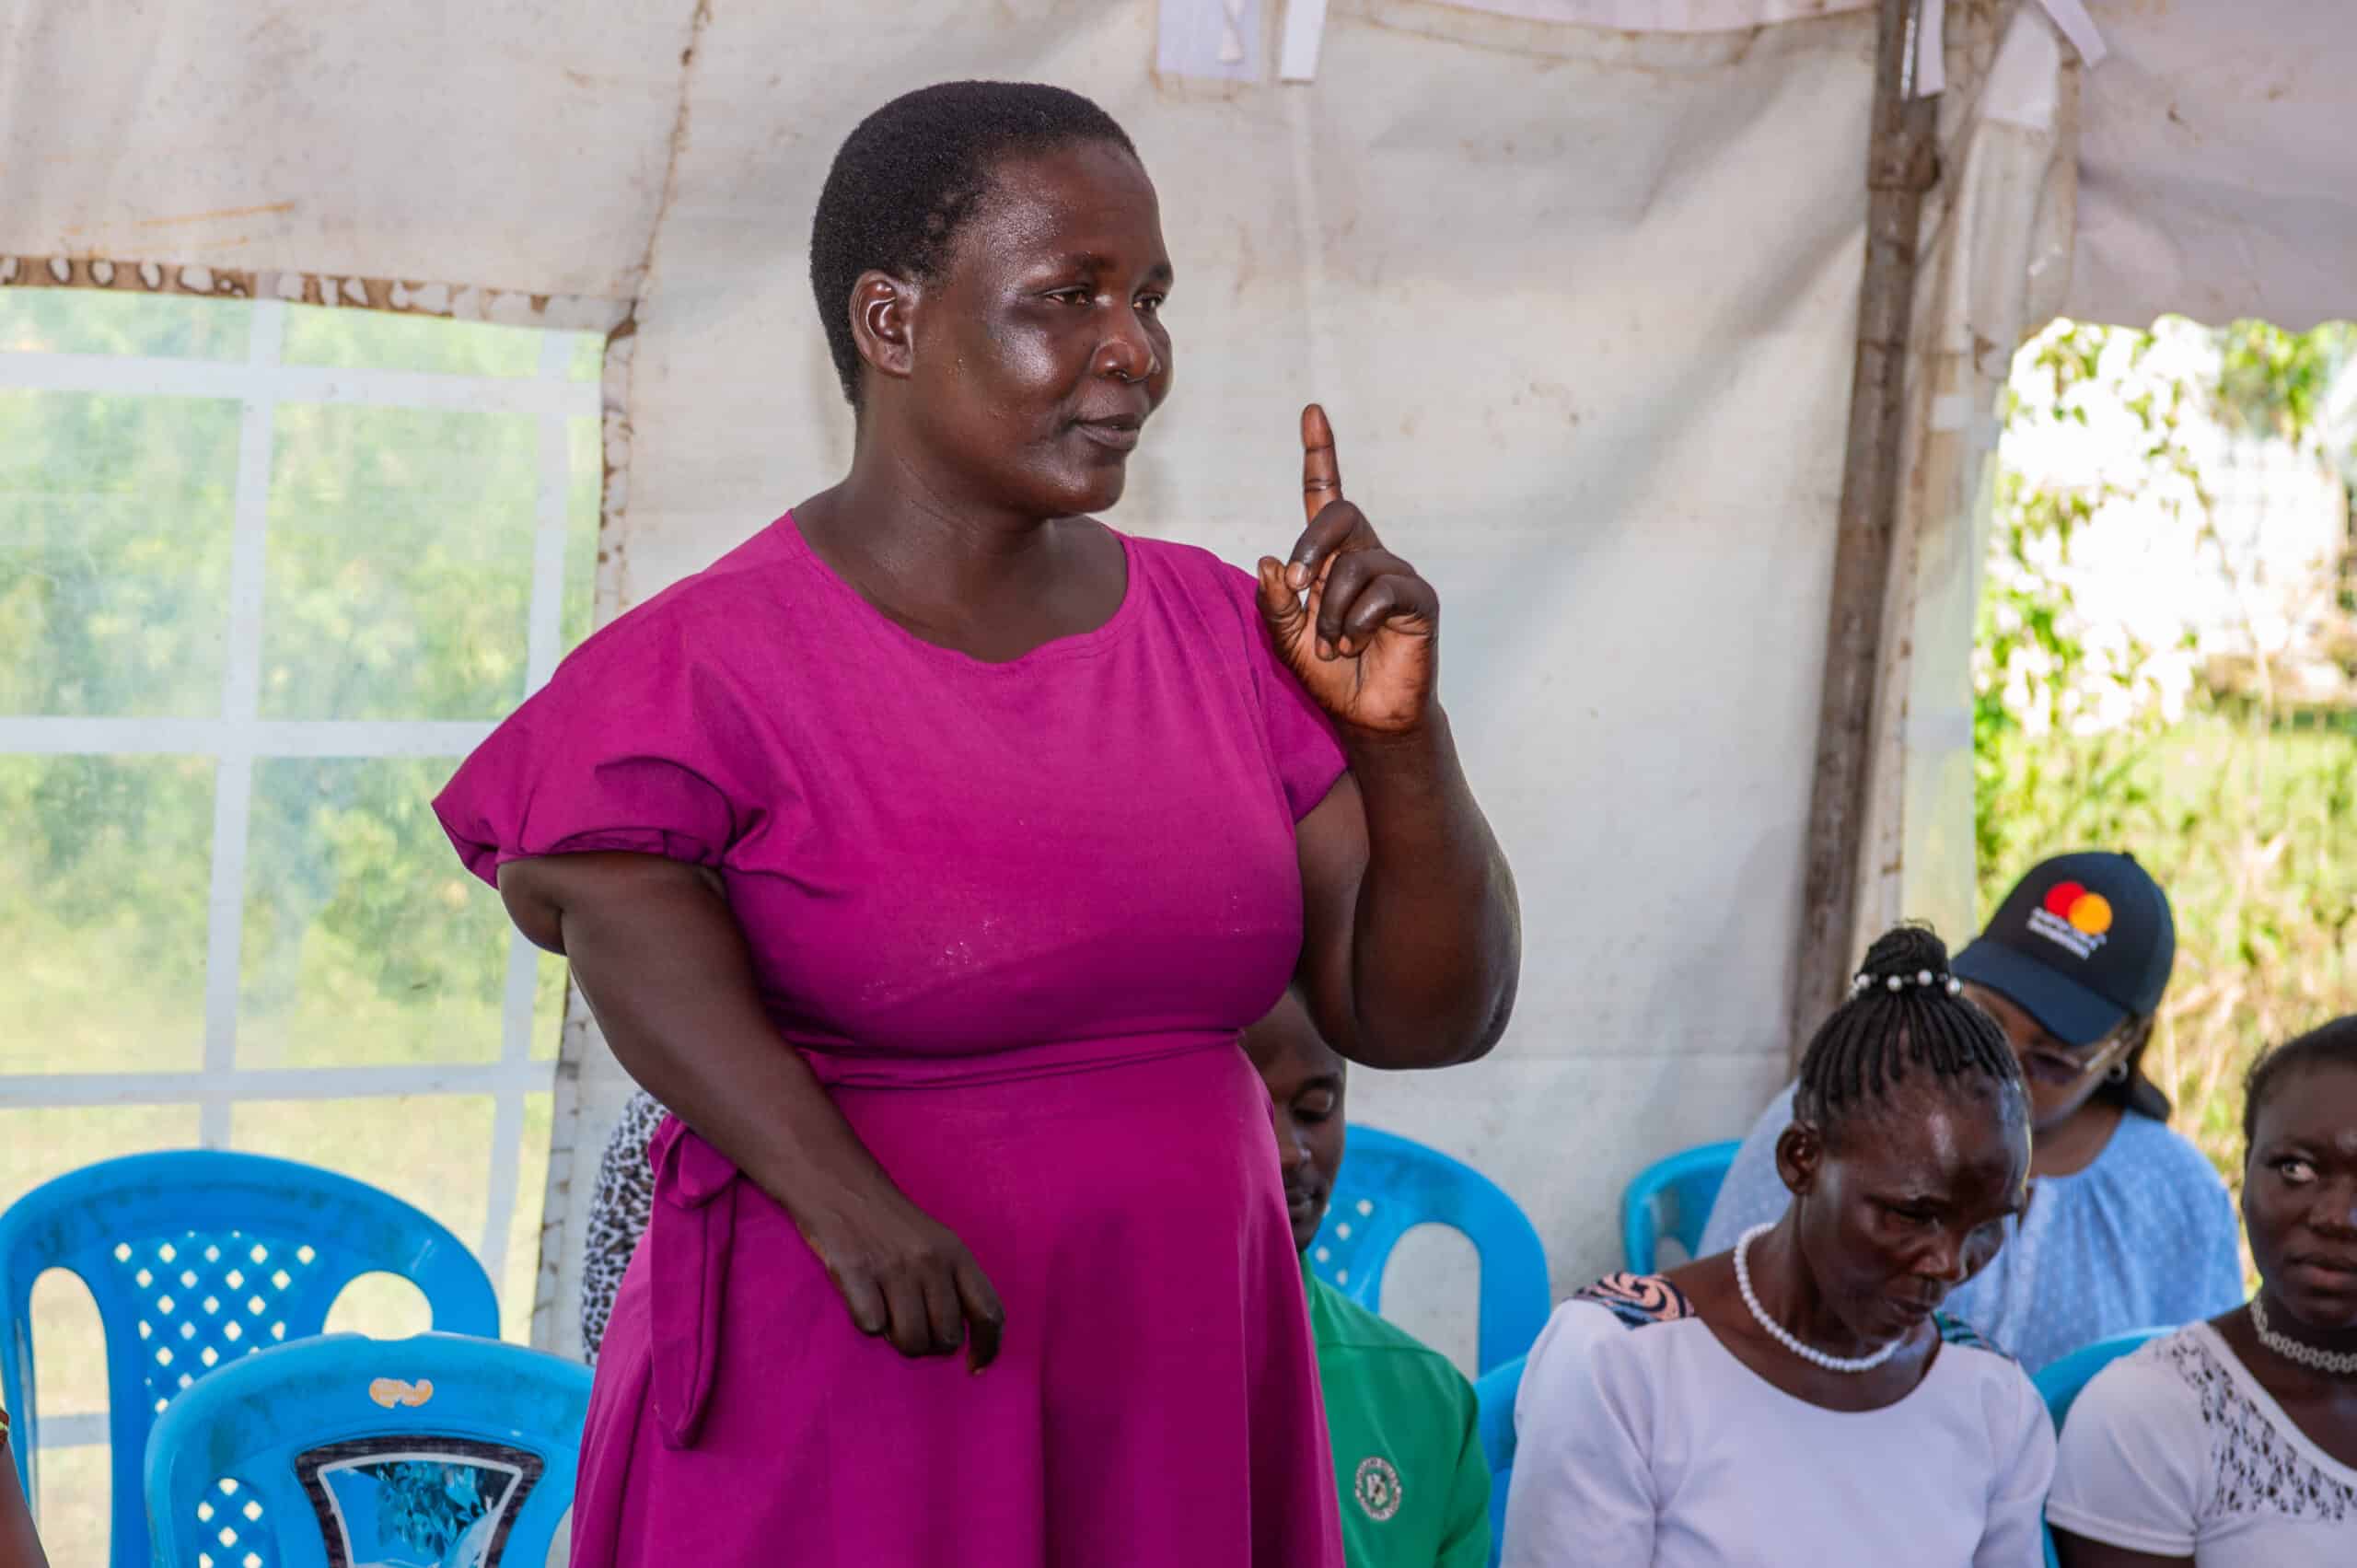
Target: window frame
(238,737)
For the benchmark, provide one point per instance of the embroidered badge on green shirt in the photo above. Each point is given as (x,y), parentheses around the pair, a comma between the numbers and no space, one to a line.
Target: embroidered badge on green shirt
(1408,1462)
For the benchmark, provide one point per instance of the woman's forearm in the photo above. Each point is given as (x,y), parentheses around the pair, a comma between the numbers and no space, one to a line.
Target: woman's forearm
(1436,939)
(667,970)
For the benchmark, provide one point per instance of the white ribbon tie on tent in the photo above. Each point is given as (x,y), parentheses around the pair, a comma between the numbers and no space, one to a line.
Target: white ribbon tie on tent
(2070,18)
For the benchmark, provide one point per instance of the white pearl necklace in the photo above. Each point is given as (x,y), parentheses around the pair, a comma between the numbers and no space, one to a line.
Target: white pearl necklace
(1784,1336)
(2334,1364)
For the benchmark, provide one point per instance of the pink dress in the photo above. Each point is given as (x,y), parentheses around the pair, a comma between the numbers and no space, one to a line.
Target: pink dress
(1014,916)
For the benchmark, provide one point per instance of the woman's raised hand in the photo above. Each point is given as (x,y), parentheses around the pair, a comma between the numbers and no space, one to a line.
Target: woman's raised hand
(1357,625)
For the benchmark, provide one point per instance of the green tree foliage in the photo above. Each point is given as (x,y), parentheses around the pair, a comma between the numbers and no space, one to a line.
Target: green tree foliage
(2243,810)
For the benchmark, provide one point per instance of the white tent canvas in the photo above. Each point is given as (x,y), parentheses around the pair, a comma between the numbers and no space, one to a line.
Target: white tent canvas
(1577,281)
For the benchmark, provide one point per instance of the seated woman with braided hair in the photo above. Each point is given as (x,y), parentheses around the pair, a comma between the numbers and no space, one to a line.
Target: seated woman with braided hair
(2127,1224)
(1800,1402)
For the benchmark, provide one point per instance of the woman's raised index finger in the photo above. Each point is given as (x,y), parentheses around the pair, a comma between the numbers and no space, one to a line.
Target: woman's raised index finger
(1321,476)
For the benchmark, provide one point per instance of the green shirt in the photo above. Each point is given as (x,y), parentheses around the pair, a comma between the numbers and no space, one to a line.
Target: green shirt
(1407,1447)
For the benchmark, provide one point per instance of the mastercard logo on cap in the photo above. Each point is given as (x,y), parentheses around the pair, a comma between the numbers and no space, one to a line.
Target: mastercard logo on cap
(2090,913)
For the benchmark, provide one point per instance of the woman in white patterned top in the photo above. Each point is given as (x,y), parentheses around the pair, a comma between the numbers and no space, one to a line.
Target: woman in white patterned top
(1800,1402)
(2233,1444)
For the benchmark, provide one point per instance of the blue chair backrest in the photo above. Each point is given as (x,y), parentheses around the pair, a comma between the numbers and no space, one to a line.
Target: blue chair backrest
(2061,1382)
(1672,1197)
(1389,1184)
(197,1258)
(439,1449)
(1494,1394)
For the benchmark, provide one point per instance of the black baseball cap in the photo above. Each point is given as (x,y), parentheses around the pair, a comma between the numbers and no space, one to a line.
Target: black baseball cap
(2082,944)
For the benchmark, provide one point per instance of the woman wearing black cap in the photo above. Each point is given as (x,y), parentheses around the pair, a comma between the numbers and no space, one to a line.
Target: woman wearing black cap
(2128,1227)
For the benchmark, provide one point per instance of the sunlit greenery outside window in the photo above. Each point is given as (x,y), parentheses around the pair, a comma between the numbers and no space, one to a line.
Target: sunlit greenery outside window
(266,572)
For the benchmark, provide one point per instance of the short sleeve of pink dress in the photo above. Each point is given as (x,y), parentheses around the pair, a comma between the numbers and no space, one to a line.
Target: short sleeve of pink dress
(635,745)
(1014,916)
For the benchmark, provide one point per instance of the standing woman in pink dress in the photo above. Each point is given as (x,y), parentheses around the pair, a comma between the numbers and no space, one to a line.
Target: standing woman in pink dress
(926,855)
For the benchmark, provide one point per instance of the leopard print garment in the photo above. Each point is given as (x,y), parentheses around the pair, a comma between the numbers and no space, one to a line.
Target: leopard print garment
(618,1213)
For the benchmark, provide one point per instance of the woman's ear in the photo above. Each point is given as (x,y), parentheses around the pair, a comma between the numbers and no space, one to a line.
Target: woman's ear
(881,326)
(1800,1157)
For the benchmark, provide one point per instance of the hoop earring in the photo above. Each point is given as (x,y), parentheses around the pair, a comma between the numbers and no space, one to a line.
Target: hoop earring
(2117,1073)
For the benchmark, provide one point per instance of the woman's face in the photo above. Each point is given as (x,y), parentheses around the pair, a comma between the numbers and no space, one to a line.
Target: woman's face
(2059,1078)
(2300,1195)
(1909,1198)
(1036,357)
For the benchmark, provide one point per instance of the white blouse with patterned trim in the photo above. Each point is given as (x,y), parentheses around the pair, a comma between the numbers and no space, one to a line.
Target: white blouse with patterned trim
(1643,1440)
(2177,1450)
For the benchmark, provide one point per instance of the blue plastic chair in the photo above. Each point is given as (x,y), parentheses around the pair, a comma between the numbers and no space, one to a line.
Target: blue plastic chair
(2059,1383)
(1672,1197)
(1494,1394)
(438,1449)
(1389,1184)
(199,1256)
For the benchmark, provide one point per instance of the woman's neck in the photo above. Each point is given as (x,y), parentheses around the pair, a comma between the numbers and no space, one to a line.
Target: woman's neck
(2281,1323)
(908,542)
(2320,1404)
(2076,1142)
(1789,1293)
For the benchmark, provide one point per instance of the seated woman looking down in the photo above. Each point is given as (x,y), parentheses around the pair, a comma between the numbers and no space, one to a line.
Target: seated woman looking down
(2233,1444)
(2128,1225)
(1799,1402)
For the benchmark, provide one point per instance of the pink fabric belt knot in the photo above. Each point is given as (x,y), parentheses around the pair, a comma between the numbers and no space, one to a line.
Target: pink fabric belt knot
(688,1242)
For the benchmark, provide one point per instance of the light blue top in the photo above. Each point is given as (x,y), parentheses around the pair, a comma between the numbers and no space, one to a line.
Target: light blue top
(2144,1237)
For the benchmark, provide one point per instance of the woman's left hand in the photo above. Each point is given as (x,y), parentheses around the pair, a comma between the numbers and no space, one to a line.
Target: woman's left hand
(1358,627)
